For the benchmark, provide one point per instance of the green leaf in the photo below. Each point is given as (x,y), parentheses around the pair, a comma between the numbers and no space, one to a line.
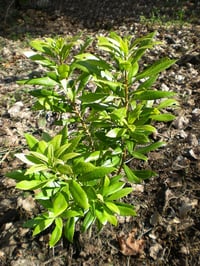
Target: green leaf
(116,132)
(31,185)
(132,72)
(31,141)
(112,206)
(57,232)
(101,216)
(130,175)
(24,158)
(156,68)
(119,114)
(56,141)
(36,168)
(94,156)
(139,155)
(68,156)
(148,83)
(88,221)
(59,204)
(74,143)
(59,152)
(42,224)
(17,174)
(114,187)
(76,212)
(70,229)
(152,95)
(144,174)
(163,117)
(167,103)
(151,147)
(93,97)
(110,218)
(96,173)
(42,60)
(145,128)
(120,194)
(45,81)
(78,194)
(44,93)
(40,156)
(83,167)
(65,169)
(125,209)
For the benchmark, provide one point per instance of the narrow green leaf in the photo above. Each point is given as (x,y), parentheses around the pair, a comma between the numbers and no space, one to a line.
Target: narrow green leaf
(152,95)
(139,155)
(88,221)
(64,169)
(130,175)
(83,168)
(167,103)
(93,97)
(94,156)
(57,232)
(112,206)
(163,117)
(125,209)
(39,156)
(43,224)
(101,216)
(36,168)
(144,174)
(68,156)
(31,141)
(17,174)
(24,158)
(110,218)
(45,81)
(70,229)
(96,173)
(78,194)
(116,133)
(156,68)
(59,204)
(114,187)
(59,152)
(30,185)
(151,147)
(56,142)
(120,194)
(40,59)
(76,212)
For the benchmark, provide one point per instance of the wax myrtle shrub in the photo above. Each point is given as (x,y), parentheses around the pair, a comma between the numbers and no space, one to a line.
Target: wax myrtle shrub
(80,175)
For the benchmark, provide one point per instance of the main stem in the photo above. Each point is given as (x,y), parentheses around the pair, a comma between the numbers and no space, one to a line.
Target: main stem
(84,125)
(126,90)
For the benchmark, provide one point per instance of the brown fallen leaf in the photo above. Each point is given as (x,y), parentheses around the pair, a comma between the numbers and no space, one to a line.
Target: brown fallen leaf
(129,245)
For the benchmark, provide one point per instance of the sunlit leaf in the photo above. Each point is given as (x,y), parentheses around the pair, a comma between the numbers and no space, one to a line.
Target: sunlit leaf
(59,204)
(163,117)
(120,194)
(130,175)
(57,232)
(30,185)
(78,194)
(43,224)
(126,209)
(70,228)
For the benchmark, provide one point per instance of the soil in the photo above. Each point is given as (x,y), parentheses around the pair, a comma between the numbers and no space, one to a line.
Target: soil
(166,228)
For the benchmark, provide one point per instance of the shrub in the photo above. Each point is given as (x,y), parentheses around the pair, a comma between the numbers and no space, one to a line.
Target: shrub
(80,176)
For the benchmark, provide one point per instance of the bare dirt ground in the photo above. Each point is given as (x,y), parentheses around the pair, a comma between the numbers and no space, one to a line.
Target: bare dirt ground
(168,219)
